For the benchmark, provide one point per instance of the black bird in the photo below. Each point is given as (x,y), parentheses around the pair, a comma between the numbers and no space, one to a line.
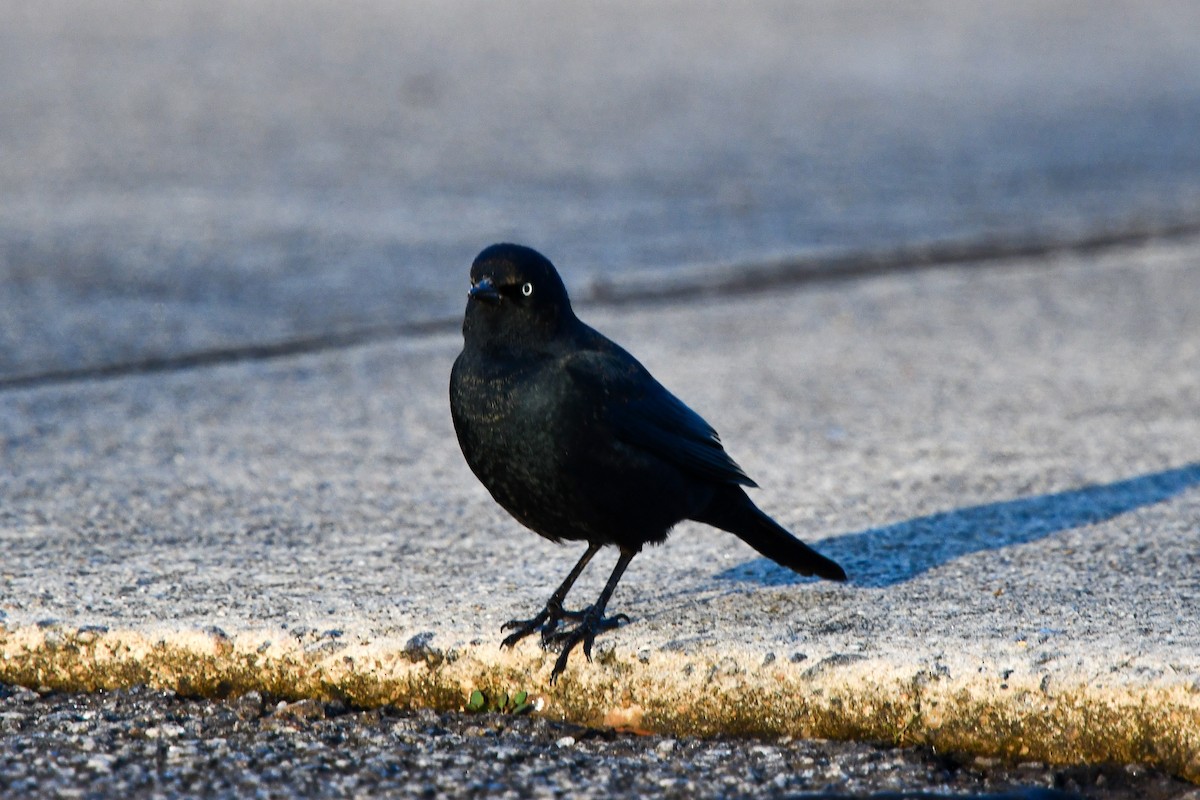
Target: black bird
(575,438)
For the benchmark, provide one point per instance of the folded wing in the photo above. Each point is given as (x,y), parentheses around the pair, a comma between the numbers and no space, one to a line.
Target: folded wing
(643,414)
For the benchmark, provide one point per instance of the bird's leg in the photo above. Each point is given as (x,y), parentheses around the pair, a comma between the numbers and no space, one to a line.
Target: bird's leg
(592,619)
(548,618)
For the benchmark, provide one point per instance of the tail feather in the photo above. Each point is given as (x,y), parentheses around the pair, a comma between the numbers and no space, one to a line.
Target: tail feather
(733,511)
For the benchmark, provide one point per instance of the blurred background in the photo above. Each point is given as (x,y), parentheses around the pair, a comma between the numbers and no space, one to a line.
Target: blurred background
(188,176)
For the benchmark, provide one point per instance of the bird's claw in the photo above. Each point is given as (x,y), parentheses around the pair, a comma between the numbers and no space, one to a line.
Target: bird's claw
(523,628)
(587,623)
(546,621)
(585,632)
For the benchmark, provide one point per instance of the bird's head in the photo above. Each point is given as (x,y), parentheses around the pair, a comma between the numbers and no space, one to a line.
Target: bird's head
(516,298)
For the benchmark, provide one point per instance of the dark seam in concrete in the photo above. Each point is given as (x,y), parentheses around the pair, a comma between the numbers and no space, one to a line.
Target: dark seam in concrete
(234,353)
(832,267)
(652,287)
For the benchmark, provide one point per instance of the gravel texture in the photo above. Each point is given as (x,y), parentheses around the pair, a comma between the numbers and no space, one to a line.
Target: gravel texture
(142,743)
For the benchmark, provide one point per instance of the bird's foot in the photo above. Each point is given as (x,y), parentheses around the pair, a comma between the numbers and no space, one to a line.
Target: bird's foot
(591,623)
(546,621)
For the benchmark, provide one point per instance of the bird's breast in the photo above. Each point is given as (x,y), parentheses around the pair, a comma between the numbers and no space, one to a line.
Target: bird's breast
(508,418)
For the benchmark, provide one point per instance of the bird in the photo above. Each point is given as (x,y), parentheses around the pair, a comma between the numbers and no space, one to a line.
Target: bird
(576,440)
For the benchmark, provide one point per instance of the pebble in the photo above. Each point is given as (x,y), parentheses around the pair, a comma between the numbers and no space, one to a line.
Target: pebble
(144,743)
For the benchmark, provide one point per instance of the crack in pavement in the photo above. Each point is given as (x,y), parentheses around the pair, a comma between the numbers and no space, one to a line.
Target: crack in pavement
(655,286)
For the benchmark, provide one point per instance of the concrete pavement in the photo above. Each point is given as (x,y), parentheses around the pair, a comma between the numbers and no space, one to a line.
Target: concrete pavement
(209,174)
(1004,459)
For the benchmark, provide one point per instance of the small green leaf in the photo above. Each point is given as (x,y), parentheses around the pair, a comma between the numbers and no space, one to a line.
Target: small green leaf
(520,698)
(502,701)
(476,702)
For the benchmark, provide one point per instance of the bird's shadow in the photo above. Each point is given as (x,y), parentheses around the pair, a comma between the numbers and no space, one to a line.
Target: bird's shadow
(886,556)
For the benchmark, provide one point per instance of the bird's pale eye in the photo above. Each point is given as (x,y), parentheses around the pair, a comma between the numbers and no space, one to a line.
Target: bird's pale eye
(527,289)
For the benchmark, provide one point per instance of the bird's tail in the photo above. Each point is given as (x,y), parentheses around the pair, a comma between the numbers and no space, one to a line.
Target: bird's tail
(733,511)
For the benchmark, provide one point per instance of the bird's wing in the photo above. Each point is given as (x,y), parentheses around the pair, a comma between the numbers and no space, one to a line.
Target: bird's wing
(645,415)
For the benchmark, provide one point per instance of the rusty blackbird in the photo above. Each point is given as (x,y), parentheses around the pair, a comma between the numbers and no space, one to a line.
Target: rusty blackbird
(575,439)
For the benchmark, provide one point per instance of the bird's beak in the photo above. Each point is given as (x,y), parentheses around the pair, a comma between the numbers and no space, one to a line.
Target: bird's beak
(484,290)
